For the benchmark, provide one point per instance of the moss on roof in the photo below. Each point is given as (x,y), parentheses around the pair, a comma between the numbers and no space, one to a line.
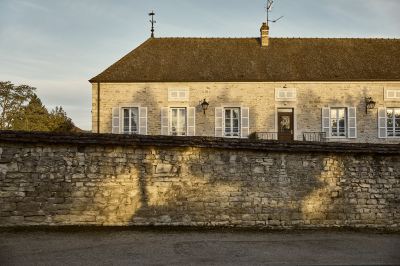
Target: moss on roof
(243,59)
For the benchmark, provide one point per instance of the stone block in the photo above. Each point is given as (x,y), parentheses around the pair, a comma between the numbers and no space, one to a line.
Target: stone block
(258,170)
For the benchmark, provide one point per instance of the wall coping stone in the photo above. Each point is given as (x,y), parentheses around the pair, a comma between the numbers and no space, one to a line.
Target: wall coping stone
(87,139)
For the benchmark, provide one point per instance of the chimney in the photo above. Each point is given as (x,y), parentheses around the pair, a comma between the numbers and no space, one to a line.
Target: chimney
(264,35)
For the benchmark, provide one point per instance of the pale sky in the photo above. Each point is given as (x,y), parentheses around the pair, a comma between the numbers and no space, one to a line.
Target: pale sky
(58,45)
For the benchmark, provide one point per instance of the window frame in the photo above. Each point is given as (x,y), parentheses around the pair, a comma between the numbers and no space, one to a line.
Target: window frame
(178,97)
(170,112)
(393,121)
(396,94)
(224,109)
(337,119)
(285,98)
(122,130)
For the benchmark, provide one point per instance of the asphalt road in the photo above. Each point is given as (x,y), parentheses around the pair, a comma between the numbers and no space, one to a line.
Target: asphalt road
(133,247)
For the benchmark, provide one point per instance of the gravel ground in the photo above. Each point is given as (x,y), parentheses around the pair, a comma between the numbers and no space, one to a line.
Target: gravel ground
(87,246)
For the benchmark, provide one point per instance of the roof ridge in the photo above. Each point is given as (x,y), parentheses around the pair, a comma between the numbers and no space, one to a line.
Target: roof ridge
(336,38)
(282,38)
(206,38)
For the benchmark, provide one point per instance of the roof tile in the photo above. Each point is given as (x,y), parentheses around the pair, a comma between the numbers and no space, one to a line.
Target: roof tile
(243,59)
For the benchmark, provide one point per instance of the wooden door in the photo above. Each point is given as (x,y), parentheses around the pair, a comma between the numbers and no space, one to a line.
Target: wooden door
(285,125)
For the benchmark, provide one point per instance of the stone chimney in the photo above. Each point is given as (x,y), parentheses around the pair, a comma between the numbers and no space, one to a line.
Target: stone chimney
(264,35)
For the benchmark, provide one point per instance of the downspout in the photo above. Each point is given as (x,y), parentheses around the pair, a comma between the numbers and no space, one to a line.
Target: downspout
(98,107)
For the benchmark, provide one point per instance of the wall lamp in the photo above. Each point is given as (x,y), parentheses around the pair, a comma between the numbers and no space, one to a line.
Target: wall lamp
(204,105)
(369,104)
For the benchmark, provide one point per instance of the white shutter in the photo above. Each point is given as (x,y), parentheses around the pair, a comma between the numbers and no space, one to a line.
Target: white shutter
(382,123)
(115,120)
(191,124)
(352,122)
(164,121)
(219,122)
(245,119)
(326,121)
(143,120)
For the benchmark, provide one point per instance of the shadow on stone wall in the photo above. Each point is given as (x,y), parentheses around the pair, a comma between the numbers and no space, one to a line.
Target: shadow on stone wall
(324,192)
(105,185)
(276,193)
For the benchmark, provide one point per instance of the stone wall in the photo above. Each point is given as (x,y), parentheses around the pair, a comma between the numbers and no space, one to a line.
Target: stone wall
(258,96)
(103,179)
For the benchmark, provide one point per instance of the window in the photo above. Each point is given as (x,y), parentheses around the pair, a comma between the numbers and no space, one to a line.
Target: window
(285,94)
(178,95)
(338,122)
(393,122)
(232,122)
(130,120)
(392,94)
(178,121)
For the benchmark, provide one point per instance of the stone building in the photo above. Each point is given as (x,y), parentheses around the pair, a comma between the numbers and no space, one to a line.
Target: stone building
(337,89)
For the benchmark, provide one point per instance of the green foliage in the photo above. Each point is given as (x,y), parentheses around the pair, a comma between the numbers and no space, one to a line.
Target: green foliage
(59,121)
(12,99)
(33,117)
(21,109)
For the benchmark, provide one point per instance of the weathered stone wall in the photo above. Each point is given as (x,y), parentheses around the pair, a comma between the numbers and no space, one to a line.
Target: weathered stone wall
(137,180)
(258,96)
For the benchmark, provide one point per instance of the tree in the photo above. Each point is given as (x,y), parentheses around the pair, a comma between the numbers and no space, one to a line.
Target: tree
(33,117)
(21,109)
(12,99)
(60,122)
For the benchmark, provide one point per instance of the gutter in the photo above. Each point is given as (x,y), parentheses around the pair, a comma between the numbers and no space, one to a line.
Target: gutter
(98,107)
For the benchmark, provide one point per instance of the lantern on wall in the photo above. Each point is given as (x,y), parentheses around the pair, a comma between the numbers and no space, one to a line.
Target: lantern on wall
(369,104)
(204,105)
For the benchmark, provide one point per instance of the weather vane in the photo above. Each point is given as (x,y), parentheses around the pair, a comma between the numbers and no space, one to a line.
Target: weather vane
(152,21)
(269,9)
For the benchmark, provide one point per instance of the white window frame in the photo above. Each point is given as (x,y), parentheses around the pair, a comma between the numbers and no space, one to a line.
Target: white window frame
(122,126)
(178,94)
(392,94)
(393,118)
(282,94)
(117,119)
(350,122)
(170,120)
(239,122)
(345,122)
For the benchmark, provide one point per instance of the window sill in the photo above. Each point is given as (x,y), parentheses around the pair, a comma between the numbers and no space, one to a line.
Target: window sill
(286,100)
(339,138)
(391,100)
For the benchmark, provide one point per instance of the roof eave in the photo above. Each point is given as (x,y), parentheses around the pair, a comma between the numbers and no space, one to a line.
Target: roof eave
(249,80)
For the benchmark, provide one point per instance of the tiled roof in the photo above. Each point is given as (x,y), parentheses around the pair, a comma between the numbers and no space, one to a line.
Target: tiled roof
(243,59)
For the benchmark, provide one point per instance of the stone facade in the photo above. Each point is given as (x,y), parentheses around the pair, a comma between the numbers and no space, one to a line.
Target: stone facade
(143,180)
(258,97)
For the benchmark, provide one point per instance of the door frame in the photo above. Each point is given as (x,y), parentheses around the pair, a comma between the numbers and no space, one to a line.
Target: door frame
(294,119)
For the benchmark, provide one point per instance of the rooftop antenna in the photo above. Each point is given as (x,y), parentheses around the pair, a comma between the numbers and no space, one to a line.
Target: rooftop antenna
(152,21)
(269,9)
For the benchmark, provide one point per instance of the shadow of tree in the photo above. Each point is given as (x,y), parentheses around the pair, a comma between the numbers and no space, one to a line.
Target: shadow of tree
(116,185)
(280,195)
